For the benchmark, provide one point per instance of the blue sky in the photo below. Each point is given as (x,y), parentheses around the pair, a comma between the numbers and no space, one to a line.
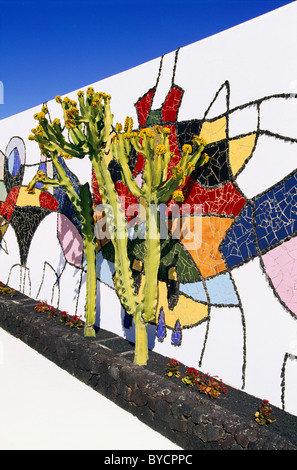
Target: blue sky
(54,47)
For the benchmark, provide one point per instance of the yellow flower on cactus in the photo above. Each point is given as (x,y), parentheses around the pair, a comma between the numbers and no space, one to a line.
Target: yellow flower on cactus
(128,124)
(44,109)
(56,121)
(166,130)
(177,172)
(127,135)
(187,148)
(146,133)
(118,127)
(80,93)
(31,187)
(90,92)
(39,130)
(206,157)
(158,129)
(178,196)
(40,175)
(39,116)
(160,149)
(58,99)
(31,137)
(70,124)
(191,166)
(199,140)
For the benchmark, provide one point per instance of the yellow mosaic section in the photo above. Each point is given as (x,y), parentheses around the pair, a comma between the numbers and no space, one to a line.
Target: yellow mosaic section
(240,150)
(26,199)
(188,311)
(214,131)
(3,226)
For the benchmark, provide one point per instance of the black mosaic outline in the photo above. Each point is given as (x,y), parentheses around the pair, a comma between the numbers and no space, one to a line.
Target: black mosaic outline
(258,132)
(46,263)
(283,377)
(243,324)
(10,272)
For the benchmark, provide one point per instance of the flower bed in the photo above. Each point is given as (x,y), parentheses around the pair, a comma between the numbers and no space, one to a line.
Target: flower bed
(189,418)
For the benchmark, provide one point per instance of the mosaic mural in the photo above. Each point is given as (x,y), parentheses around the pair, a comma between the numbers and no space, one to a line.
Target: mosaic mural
(194,278)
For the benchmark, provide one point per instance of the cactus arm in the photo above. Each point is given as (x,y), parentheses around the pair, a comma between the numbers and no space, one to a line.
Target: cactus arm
(66,183)
(117,226)
(166,191)
(90,252)
(151,262)
(185,167)
(83,207)
(141,339)
(52,139)
(121,150)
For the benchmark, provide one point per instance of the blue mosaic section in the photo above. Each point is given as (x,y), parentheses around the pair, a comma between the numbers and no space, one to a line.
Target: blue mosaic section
(195,290)
(14,162)
(65,205)
(161,329)
(276,214)
(105,270)
(176,334)
(221,290)
(239,244)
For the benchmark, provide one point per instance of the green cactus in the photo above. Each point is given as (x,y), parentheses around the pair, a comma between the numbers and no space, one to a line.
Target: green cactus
(90,135)
(156,189)
(89,129)
(84,211)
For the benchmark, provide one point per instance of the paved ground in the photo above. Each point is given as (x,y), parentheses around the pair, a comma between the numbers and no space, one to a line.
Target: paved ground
(42,407)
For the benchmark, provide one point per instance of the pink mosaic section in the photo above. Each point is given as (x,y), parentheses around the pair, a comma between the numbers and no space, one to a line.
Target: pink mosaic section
(281,266)
(70,240)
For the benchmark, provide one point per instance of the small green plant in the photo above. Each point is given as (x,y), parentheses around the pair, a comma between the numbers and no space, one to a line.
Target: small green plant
(211,387)
(172,368)
(263,415)
(4,290)
(192,377)
(74,321)
(42,306)
(205,383)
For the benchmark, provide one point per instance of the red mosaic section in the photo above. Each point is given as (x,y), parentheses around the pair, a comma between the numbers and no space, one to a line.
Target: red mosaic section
(129,202)
(171,105)
(139,164)
(143,107)
(6,208)
(225,200)
(47,201)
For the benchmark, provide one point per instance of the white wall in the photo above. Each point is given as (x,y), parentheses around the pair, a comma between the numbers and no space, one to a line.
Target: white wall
(246,343)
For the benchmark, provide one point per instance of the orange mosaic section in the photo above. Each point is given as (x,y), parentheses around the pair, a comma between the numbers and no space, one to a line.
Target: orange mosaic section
(201,237)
